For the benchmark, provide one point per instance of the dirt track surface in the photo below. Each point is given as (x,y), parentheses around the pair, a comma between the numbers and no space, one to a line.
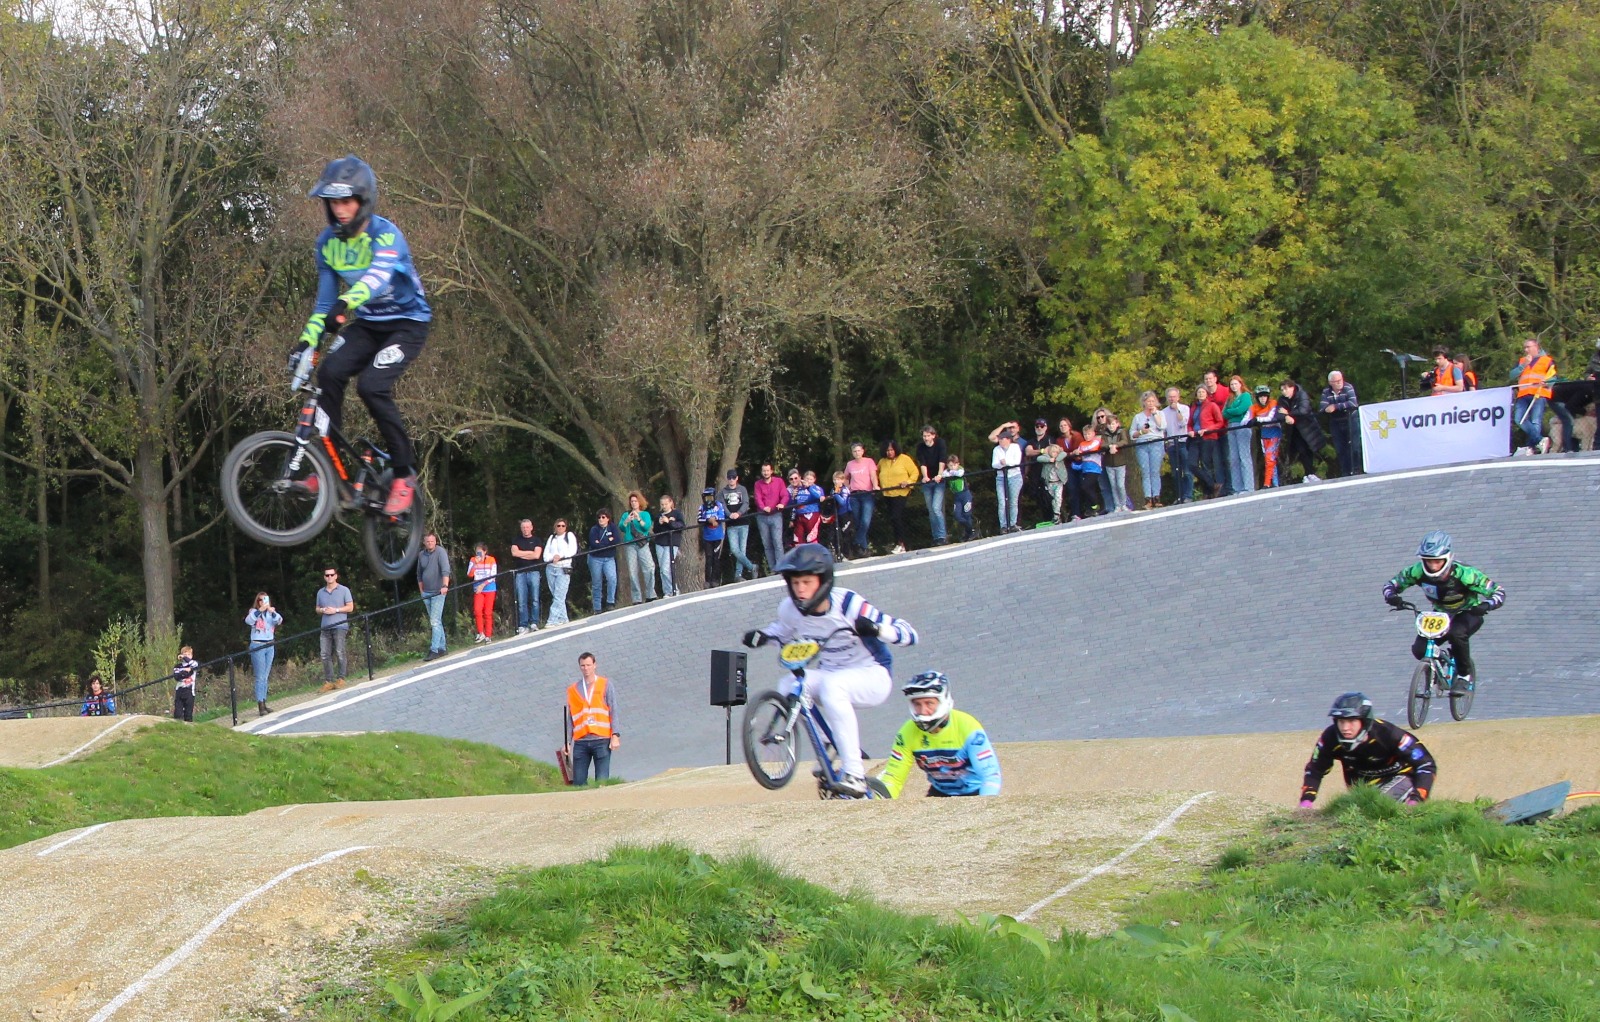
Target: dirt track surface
(87,920)
(40,742)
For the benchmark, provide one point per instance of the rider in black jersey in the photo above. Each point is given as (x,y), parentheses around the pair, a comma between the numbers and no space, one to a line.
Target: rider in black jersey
(1372,751)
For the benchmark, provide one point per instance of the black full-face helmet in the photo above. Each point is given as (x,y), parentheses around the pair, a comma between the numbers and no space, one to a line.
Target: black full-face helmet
(1353,705)
(808,559)
(348,177)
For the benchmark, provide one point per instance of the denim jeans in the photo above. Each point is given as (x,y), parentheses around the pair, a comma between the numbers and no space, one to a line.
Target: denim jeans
(1149,455)
(864,501)
(1215,461)
(961,510)
(1345,427)
(1241,460)
(738,540)
(1569,440)
(666,562)
(1008,491)
(261,652)
(434,604)
(602,582)
(1178,454)
(333,651)
(587,750)
(771,526)
(558,578)
(527,586)
(1528,413)
(1117,476)
(933,494)
(641,569)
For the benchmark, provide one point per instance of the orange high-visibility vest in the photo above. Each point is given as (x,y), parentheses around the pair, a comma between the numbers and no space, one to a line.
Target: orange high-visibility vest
(590,719)
(1534,380)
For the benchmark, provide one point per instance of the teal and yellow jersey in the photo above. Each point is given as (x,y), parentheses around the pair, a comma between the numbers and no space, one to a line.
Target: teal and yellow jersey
(958,758)
(375,273)
(1462,588)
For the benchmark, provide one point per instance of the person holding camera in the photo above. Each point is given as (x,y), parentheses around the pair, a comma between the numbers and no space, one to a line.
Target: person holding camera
(263,621)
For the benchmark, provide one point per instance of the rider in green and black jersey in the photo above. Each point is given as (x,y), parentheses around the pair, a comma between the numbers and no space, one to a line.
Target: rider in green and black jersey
(1460,590)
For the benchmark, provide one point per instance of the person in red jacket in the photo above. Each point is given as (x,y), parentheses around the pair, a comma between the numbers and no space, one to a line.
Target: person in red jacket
(1212,426)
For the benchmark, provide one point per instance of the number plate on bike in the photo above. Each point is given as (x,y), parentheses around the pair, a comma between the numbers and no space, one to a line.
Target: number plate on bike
(799,653)
(1431,626)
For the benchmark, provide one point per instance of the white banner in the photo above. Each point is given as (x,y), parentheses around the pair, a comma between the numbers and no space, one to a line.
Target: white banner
(1441,430)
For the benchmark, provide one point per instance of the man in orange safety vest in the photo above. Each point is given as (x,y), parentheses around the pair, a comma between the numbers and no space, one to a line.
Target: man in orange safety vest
(592,731)
(1532,375)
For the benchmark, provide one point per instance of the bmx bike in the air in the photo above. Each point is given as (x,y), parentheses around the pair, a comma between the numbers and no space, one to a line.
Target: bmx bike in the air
(774,722)
(282,489)
(1435,676)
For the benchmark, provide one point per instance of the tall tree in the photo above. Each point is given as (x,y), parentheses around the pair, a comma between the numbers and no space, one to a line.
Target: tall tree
(130,184)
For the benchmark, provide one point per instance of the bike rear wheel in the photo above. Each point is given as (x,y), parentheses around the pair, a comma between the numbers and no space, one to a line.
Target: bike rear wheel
(1461,702)
(1421,693)
(771,740)
(272,503)
(393,541)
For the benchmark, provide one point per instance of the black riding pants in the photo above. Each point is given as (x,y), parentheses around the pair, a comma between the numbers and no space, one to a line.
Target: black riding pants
(1462,626)
(376,352)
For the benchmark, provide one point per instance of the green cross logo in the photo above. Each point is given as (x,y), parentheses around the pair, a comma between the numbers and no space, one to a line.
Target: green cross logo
(1382,424)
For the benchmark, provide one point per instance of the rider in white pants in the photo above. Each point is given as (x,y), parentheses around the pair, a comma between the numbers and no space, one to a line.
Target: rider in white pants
(853,668)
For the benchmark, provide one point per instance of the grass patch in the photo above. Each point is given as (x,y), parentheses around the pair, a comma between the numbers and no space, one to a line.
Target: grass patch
(1364,913)
(176,770)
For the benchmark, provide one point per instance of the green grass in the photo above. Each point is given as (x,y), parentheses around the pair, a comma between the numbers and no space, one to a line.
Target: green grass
(1365,913)
(176,770)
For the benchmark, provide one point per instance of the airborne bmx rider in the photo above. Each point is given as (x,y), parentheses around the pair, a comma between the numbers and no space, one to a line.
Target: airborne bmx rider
(377,327)
(1460,590)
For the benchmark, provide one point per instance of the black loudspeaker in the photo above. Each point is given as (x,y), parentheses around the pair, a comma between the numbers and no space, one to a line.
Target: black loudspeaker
(727,677)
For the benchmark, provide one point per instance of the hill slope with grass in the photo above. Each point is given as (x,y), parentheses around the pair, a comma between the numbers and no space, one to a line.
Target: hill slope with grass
(1365,912)
(179,770)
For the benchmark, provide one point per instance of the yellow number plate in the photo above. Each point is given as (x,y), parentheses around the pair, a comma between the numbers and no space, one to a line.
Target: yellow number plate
(799,652)
(1433,625)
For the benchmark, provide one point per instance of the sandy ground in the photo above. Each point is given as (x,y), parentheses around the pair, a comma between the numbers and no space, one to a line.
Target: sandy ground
(83,922)
(39,742)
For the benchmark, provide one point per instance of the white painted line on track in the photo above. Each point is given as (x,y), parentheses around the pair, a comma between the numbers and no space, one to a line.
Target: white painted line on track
(189,947)
(1110,864)
(79,836)
(90,742)
(984,547)
(290,809)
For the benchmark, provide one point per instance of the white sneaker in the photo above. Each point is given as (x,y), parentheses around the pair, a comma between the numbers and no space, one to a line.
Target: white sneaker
(1311,478)
(522,629)
(1522,452)
(898,549)
(1544,445)
(480,637)
(853,785)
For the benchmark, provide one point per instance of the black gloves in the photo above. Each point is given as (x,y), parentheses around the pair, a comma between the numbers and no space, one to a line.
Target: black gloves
(338,316)
(755,638)
(1394,600)
(865,628)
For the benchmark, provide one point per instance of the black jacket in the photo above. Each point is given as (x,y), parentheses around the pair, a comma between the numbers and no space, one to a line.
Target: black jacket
(1305,418)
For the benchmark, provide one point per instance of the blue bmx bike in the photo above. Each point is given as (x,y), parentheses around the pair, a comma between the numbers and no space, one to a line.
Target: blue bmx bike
(774,722)
(1436,675)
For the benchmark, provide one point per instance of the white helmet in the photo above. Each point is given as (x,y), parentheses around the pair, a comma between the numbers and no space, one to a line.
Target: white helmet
(930,684)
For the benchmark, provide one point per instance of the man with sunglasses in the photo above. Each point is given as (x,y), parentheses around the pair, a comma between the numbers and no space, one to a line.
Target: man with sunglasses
(334,606)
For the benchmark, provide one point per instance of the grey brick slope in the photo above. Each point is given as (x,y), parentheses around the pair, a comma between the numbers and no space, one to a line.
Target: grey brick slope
(1238,615)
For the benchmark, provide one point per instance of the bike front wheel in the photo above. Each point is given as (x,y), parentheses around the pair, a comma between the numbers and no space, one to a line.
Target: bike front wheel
(276,491)
(1461,702)
(771,740)
(1421,693)
(393,541)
